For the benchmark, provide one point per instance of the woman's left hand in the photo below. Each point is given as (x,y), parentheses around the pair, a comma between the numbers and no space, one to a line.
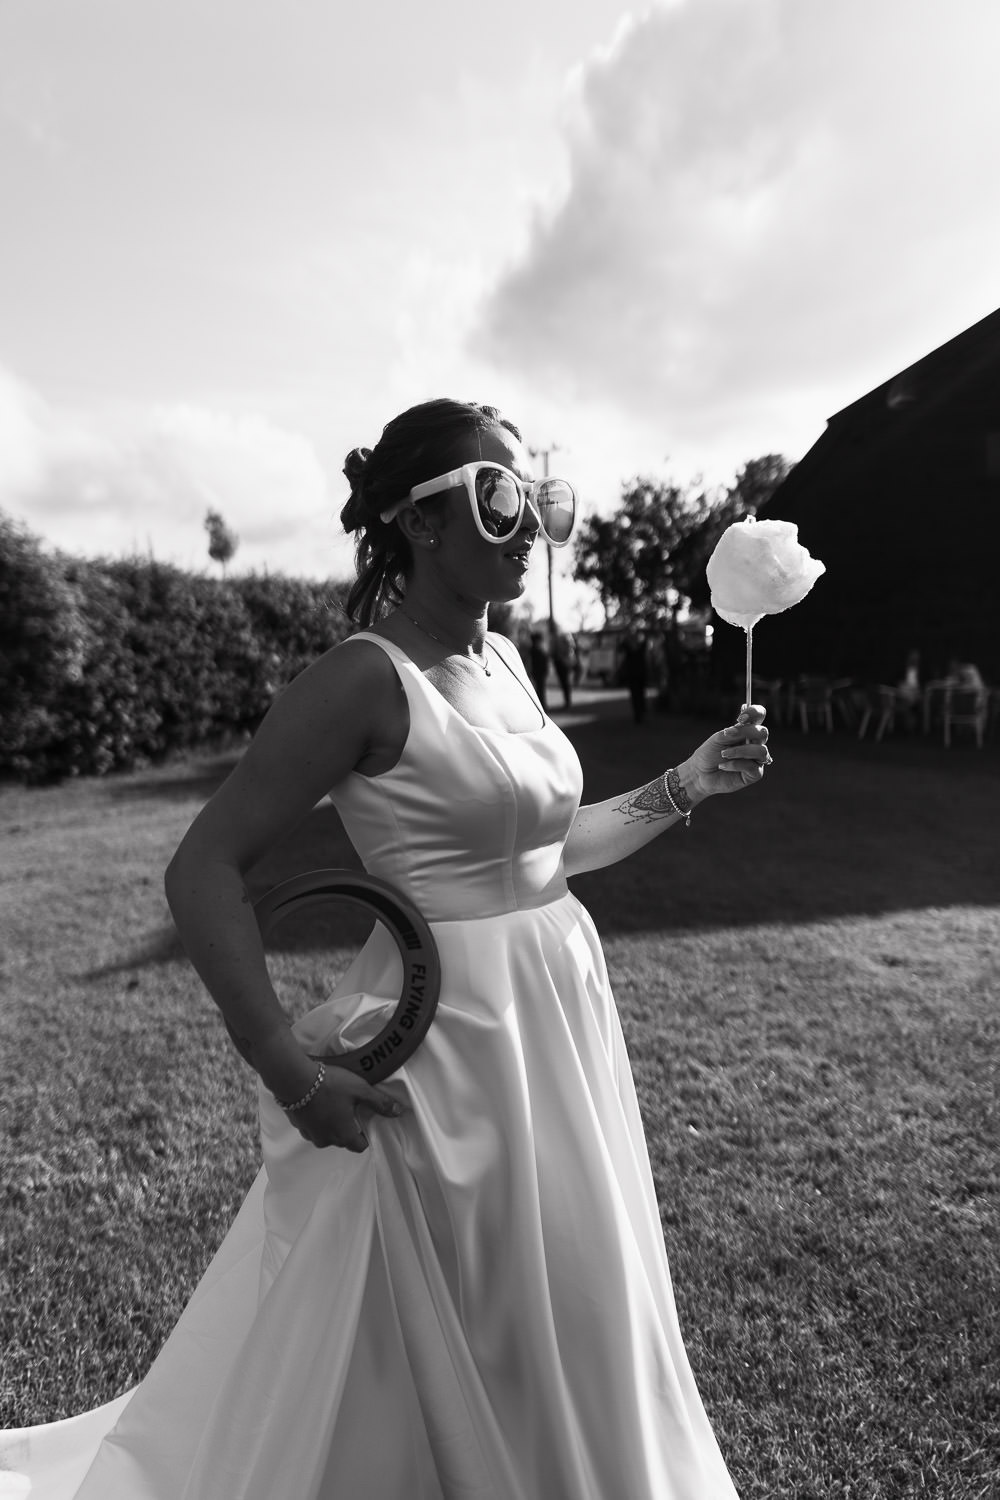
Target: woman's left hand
(730,759)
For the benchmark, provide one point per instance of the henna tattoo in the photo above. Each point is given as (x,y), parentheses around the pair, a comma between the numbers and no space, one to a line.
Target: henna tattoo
(662,798)
(646,804)
(676,793)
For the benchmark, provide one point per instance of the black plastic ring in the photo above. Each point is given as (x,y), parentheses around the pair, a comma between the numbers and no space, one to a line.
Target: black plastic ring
(400,1037)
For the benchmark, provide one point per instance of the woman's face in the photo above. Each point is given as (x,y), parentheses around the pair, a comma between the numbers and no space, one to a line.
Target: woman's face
(484,571)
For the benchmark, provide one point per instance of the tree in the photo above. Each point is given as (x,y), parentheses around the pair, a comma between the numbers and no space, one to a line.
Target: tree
(753,486)
(222,540)
(637,557)
(647,560)
(759,478)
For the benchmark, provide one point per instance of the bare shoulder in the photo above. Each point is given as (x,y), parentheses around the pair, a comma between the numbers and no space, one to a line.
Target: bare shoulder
(330,720)
(503,643)
(347,699)
(353,665)
(506,648)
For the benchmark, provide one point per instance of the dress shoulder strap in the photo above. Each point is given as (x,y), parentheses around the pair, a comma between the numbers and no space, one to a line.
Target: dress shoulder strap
(422,697)
(389,647)
(505,647)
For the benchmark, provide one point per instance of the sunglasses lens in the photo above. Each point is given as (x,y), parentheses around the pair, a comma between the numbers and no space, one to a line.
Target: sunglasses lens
(556,502)
(499,502)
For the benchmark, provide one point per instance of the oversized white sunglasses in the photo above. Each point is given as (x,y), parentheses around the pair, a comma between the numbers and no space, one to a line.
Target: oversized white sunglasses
(497,499)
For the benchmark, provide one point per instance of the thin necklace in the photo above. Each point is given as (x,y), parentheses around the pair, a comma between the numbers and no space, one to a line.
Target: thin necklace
(479,660)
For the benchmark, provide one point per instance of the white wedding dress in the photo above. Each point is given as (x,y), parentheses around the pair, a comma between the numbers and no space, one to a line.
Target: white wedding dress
(479,1306)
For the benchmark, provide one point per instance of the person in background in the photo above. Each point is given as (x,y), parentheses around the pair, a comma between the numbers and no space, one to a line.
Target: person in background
(563,652)
(539,659)
(579,665)
(909,684)
(635,672)
(908,692)
(964,674)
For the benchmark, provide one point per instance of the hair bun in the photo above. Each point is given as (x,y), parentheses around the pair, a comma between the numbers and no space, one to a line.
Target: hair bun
(355,465)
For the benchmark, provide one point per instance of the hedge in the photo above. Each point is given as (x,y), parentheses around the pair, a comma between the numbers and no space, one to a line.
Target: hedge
(106,665)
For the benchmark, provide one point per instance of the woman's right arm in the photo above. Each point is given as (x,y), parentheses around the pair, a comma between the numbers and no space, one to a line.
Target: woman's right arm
(341,709)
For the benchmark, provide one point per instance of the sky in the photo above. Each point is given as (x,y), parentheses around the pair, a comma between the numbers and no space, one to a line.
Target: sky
(238,236)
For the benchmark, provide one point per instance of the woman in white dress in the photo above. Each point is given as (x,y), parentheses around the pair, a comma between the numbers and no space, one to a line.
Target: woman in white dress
(452,1286)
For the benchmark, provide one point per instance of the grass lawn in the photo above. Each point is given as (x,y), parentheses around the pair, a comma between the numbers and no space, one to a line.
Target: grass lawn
(808,979)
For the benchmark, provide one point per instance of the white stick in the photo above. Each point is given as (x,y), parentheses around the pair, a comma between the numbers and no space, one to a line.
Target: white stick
(749,630)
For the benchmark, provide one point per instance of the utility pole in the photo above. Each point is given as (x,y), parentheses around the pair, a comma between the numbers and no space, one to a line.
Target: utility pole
(543,454)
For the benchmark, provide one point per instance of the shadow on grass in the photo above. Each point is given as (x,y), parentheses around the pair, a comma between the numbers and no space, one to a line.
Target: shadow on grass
(318,843)
(838,829)
(178,781)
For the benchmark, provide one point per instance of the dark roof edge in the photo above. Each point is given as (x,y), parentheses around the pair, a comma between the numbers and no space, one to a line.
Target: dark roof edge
(977,339)
(883,414)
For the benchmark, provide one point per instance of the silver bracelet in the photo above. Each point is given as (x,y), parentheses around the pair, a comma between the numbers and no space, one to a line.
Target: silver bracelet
(309,1094)
(672,790)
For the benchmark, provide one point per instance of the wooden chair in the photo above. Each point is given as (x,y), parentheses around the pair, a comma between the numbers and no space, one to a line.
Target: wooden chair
(965,708)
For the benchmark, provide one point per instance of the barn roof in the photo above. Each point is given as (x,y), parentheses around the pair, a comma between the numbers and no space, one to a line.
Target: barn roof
(954,387)
(900,498)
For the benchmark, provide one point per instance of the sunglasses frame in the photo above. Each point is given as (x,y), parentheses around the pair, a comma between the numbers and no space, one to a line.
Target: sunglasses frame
(466,476)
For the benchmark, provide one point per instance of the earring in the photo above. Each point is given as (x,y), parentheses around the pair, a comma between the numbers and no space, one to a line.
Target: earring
(432,541)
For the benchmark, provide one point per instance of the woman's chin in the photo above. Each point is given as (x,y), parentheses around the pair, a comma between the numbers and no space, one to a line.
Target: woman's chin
(509,590)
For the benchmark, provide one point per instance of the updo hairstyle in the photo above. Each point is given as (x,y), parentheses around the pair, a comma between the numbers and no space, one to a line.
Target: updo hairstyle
(416,446)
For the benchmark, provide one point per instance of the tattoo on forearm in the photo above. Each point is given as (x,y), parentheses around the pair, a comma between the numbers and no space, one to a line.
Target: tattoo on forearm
(646,804)
(676,793)
(651,801)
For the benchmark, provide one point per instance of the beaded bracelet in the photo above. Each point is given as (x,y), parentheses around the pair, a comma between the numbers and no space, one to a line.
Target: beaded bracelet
(675,793)
(309,1094)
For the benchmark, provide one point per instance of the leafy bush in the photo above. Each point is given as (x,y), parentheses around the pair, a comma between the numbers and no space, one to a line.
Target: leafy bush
(294,620)
(42,646)
(105,665)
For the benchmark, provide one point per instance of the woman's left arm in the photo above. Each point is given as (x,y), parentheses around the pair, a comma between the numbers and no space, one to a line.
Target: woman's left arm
(605,832)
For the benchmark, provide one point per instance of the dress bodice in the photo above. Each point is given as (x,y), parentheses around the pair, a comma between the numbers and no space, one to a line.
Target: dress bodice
(470,822)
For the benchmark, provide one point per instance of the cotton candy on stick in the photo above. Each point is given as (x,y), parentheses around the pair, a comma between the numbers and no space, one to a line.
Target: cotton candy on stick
(759,568)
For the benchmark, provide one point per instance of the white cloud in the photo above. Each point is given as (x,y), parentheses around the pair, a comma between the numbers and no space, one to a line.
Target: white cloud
(144,480)
(28,103)
(257,473)
(22,439)
(772,207)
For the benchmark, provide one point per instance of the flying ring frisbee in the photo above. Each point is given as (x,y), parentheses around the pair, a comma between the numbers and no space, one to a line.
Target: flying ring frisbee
(402,1034)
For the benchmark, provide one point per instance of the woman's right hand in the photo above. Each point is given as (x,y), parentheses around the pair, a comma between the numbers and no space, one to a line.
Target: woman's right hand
(331,1116)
